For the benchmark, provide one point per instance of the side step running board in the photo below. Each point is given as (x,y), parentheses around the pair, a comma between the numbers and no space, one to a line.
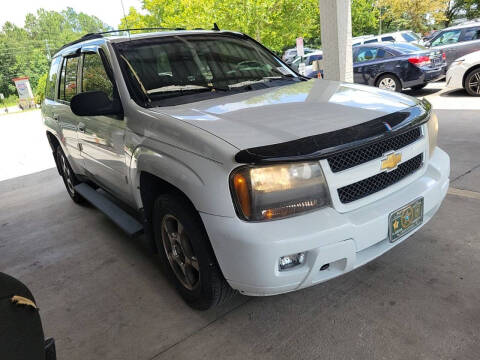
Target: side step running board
(119,216)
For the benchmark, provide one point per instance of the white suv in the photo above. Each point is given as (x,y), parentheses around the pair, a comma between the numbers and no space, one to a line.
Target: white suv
(245,175)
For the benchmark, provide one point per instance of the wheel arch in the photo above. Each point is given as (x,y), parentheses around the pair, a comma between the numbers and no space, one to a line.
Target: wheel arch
(387,73)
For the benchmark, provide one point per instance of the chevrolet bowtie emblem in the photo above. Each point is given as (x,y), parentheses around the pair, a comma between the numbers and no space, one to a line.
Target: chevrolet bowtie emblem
(391,161)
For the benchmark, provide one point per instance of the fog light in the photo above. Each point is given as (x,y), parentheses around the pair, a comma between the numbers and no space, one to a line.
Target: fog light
(290,261)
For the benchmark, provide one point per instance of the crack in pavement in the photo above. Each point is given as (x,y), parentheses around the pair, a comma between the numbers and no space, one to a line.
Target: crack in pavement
(465,173)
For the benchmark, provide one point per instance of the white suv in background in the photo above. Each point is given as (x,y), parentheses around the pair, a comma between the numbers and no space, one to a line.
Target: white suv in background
(465,73)
(399,36)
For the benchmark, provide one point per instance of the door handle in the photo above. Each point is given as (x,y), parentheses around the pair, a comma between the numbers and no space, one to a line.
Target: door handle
(81,127)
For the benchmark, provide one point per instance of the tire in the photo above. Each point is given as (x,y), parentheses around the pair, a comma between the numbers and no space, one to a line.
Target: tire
(418,87)
(472,83)
(68,176)
(389,82)
(186,254)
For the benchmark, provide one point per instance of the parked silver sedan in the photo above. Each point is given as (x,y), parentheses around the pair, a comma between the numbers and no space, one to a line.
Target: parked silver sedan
(465,73)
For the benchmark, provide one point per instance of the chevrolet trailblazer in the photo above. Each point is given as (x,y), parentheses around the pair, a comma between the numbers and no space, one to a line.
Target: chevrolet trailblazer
(245,175)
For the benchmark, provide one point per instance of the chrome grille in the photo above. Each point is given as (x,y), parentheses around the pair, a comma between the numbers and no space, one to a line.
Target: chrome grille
(370,152)
(378,182)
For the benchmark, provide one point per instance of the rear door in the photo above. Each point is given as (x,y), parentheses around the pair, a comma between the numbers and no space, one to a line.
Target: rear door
(102,138)
(470,41)
(369,62)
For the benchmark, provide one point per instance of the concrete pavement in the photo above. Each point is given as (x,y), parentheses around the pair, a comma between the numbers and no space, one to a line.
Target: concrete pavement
(103,295)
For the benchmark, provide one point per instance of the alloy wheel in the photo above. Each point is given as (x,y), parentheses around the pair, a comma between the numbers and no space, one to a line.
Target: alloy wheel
(387,84)
(474,83)
(179,251)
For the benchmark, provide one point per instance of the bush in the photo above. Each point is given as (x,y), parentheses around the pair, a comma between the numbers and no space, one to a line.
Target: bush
(11,100)
(40,89)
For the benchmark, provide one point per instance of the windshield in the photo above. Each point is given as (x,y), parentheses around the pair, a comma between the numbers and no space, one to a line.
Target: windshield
(410,37)
(178,66)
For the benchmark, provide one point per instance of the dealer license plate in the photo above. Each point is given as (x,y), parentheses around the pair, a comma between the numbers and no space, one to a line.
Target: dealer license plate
(405,219)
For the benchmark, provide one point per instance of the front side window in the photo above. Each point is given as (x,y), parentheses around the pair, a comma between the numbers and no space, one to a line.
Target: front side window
(447,37)
(68,79)
(94,76)
(52,78)
(370,41)
(180,66)
(388,38)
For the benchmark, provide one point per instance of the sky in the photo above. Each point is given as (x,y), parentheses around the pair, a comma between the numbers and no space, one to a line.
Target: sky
(109,11)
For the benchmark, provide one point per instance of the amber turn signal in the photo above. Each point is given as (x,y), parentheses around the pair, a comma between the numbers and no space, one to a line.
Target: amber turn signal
(241,189)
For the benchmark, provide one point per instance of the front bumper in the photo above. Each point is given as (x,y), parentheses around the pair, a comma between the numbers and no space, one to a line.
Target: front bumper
(248,253)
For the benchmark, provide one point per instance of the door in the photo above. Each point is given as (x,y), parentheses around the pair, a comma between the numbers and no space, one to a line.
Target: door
(102,138)
(368,62)
(67,121)
(449,42)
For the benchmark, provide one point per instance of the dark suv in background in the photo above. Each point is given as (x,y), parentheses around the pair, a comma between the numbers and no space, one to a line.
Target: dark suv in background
(457,41)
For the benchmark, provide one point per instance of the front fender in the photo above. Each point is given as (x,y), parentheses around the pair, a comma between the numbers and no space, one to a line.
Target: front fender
(202,180)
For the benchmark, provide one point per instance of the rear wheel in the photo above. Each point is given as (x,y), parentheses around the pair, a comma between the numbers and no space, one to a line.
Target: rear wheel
(186,253)
(418,87)
(472,83)
(68,176)
(389,82)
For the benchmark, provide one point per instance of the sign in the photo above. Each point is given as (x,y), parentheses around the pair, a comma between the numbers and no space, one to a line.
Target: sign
(300,51)
(25,93)
(23,88)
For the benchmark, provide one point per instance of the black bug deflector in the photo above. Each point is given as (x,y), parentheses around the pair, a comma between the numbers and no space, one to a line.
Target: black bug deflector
(323,145)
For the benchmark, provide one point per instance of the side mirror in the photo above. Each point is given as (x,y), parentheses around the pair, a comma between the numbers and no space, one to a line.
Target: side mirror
(95,103)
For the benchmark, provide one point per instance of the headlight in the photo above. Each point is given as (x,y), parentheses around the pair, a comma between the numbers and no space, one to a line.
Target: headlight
(278,191)
(432,127)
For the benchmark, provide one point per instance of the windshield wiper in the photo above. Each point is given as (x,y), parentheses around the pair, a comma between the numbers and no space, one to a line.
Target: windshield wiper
(263,80)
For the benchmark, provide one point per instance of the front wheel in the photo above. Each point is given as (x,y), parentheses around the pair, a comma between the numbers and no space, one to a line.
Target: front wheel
(68,176)
(472,83)
(186,254)
(389,82)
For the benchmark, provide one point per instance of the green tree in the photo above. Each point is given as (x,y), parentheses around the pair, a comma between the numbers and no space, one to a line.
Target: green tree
(365,17)
(276,23)
(413,14)
(461,9)
(26,51)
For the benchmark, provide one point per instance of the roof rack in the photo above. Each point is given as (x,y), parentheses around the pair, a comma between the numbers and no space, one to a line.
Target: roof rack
(99,35)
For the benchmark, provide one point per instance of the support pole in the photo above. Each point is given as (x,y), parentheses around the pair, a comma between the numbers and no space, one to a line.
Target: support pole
(336,27)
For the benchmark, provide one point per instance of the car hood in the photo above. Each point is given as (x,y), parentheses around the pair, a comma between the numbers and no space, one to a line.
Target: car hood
(286,113)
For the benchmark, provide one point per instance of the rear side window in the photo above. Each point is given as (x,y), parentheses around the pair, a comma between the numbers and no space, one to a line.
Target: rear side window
(370,41)
(52,78)
(388,38)
(68,79)
(94,76)
(471,34)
